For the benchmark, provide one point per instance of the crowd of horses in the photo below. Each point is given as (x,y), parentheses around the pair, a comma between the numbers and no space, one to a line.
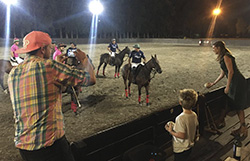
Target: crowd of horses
(143,77)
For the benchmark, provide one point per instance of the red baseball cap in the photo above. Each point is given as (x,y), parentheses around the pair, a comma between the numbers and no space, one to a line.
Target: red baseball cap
(33,41)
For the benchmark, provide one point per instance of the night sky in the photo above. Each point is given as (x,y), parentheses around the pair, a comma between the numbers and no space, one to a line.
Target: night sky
(138,18)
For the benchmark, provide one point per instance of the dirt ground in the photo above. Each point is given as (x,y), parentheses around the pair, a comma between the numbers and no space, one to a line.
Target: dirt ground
(105,106)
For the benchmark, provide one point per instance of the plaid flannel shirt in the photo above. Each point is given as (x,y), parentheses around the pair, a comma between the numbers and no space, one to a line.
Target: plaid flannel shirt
(36,94)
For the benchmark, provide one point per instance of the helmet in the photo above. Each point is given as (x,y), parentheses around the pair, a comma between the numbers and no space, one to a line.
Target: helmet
(15,40)
(136,46)
(113,40)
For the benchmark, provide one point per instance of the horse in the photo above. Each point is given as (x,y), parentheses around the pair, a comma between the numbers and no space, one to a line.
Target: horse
(143,77)
(5,67)
(75,91)
(106,59)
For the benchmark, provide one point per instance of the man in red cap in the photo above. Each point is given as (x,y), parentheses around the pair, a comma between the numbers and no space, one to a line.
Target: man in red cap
(36,94)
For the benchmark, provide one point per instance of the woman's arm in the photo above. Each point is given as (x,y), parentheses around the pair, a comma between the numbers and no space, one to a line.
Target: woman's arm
(229,65)
(222,74)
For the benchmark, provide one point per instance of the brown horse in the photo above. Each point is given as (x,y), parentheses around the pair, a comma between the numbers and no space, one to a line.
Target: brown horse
(106,58)
(5,67)
(75,91)
(143,77)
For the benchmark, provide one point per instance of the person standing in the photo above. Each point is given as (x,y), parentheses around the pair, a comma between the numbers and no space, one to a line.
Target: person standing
(184,130)
(59,50)
(236,87)
(14,56)
(112,50)
(35,88)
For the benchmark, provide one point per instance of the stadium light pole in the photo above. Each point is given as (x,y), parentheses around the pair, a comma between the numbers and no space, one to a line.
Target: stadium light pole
(216,12)
(7,24)
(96,8)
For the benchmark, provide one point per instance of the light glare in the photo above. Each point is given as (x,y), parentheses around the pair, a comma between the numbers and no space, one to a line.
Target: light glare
(95,7)
(9,2)
(216,11)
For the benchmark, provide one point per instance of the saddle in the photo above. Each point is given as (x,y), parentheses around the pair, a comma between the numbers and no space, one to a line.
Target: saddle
(135,72)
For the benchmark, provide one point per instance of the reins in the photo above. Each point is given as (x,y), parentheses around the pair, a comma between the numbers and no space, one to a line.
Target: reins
(152,70)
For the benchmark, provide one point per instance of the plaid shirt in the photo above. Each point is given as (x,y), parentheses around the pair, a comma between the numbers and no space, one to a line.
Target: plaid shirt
(36,94)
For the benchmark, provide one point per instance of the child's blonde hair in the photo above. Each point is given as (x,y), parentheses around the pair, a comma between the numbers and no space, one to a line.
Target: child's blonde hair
(188,98)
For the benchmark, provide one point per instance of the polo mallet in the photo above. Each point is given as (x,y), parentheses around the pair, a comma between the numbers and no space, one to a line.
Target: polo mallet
(77,100)
(211,127)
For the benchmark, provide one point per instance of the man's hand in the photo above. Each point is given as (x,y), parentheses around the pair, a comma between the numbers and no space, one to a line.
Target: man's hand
(61,58)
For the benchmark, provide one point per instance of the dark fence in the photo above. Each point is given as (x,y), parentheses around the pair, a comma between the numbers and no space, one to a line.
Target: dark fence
(111,144)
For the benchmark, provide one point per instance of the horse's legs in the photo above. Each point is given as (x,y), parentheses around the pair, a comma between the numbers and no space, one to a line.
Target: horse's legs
(118,71)
(147,95)
(99,68)
(129,92)
(115,71)
(126,87)
(2,80)
(73,103)
(139,94)
(74,99)
(103,72)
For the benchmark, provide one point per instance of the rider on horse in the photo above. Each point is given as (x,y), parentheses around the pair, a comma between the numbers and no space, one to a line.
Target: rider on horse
(136,56)
(15,59)
(59,50)
(112,50)
(70,54)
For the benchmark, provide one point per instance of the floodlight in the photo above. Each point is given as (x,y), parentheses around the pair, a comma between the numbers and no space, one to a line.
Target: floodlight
(216,11)
(95,7)
(9,2)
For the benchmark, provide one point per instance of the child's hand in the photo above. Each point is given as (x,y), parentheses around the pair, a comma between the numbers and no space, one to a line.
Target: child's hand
(169,127)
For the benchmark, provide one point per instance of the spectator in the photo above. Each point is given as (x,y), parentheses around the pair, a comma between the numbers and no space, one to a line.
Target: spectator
(36,94)
(185,127)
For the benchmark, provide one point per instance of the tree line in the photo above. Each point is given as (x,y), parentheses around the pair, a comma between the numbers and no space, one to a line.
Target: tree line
(128,18)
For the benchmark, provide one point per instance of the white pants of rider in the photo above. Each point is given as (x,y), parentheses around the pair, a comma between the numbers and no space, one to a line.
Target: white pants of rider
(112,54)
(17,61)
(135,65)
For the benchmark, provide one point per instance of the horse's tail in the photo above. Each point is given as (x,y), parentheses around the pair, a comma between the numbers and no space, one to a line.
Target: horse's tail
(126,71)
(105,58)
